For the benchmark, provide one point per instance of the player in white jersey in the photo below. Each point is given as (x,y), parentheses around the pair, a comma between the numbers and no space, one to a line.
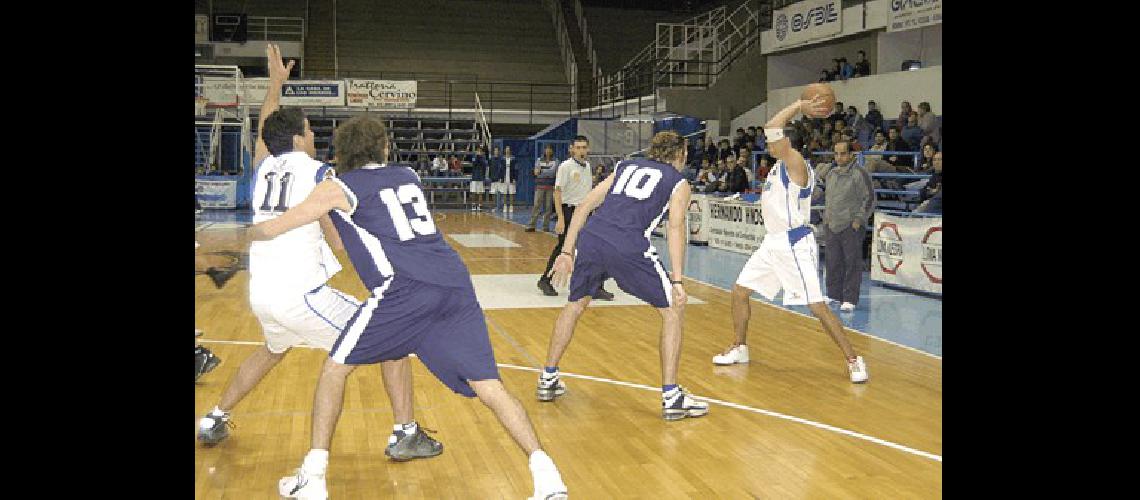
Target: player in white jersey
(787,256)
(288,274)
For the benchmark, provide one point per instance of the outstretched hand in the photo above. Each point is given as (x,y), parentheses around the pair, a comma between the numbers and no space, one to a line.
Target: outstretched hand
(560,272)
(278,69)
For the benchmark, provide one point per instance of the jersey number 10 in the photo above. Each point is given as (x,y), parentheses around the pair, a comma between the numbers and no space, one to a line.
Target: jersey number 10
(637,182)
(407,228)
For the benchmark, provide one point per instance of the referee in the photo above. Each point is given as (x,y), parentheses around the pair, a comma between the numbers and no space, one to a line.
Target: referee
(571,185)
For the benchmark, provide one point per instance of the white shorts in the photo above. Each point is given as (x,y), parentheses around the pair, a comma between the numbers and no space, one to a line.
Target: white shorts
(315,318)
(777,264)
(476,187)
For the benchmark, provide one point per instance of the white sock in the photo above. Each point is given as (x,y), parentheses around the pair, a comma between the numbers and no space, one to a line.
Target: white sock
(219,413)
(316,461)
(409,428)
(539,459)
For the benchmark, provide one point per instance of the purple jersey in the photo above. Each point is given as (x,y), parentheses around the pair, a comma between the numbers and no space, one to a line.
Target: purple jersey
(390,231)
(636,203)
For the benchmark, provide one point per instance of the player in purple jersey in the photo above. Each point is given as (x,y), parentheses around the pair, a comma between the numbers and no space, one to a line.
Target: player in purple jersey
(615,243)
(290,314)
(422,300)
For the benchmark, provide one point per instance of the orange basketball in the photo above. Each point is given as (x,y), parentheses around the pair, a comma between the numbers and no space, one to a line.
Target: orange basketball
(817,89)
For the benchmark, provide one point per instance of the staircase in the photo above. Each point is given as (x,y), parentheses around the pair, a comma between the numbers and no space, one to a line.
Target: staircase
(587,93)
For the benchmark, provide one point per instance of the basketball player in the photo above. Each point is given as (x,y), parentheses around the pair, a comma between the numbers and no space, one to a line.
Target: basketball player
(786,257)
(572,183)
(422,300)
(615,242)
(288,274)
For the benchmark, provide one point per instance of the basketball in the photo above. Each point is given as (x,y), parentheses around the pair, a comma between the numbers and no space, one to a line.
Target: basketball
(820,88)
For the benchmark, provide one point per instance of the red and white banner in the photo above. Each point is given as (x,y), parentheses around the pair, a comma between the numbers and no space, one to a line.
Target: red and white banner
(908,251)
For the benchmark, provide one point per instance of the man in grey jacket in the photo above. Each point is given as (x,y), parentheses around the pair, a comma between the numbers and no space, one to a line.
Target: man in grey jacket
(849,200)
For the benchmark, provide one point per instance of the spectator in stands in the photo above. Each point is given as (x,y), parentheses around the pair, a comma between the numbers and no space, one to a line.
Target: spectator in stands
(479,174)
(745,155)
(761,142)
(928,122)
(880,143)
(737,181)
(874,117)
(849,202)
(926,163)
(423,166)
(764,167)
(841,125)
(725,150)
(839,113)
(544,170)
(715,179)
(837,71)
(825,76)
(439,165)
(750,138)
(896,143)
(904,115)
(510,177)
(849,138)
(863,67)
(846,69)
(739,140)
(456,165)
(862,129)
(710,149)
(912,133)
(934,185)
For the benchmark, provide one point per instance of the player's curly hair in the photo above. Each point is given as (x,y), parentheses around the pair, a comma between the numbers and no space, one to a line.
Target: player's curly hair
(360,141)
(666,146)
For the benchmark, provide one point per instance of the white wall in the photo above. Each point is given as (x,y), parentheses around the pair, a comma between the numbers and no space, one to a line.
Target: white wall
(923,44)
(887,90)
(754,117)
(802,66)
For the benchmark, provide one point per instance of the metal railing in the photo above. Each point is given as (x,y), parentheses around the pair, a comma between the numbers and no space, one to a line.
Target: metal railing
(690,54)
(282,29)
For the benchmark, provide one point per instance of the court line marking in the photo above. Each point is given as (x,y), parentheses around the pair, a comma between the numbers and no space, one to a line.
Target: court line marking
(738,406)
(865,334)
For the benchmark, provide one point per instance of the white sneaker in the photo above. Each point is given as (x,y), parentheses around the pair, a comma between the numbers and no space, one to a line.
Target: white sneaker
(858,370)
(847,307)
(548,483)
(736,354)
(303,486)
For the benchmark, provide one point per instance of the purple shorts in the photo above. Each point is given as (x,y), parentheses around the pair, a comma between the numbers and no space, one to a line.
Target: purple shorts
(633,265)
(442,326)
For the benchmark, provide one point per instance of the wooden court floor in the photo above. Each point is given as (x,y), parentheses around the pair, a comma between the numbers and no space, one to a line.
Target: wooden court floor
(787,425)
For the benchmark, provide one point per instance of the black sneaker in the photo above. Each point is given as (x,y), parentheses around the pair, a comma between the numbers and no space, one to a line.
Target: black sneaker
(602,294)
(403,446)
(546,287)
(678,404)
(213,429)
(529,230)
(220,276)
(204,361)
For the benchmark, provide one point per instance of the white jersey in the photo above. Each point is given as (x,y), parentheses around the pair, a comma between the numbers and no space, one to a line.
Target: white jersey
(299,260)
(783,204)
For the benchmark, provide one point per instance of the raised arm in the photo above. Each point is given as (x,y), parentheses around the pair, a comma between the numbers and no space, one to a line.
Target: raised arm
(278,75)
(328,195)
(780,147)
